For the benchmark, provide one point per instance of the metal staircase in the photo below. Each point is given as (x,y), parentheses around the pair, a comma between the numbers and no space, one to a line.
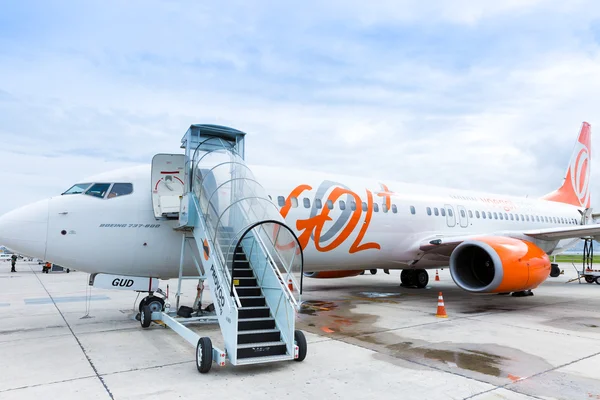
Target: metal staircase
(252,261)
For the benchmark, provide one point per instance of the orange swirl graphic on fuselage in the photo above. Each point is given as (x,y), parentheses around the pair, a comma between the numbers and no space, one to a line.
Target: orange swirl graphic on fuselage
(344,225)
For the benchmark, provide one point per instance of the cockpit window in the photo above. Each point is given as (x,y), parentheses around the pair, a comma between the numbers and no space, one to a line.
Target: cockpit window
(98,189)
(120,189)
(78,188)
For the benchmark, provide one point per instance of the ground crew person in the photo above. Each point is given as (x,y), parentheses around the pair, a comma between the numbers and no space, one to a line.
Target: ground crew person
(13,262)
(47,267)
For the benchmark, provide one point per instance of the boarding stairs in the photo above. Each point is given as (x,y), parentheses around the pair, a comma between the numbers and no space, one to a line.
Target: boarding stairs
(252,261)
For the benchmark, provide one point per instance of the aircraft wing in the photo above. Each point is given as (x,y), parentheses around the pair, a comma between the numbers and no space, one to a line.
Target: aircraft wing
(440,247)
(571,232)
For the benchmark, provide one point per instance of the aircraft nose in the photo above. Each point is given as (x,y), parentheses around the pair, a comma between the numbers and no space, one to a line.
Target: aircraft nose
(25,229)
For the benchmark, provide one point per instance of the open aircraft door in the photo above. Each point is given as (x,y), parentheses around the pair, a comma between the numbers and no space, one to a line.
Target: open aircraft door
(167,184)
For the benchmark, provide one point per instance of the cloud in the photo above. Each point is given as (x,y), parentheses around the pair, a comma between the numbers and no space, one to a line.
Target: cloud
(474,95)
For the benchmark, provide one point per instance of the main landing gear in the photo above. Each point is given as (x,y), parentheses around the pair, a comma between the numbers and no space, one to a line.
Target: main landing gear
(414,278)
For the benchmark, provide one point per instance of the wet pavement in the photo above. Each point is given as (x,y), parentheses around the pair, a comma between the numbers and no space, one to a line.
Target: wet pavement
(368,338)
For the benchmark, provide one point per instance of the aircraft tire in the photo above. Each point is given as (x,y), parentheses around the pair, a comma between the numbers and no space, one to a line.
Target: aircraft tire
(597,280)
(405,277)
(204,355)
(554,271)
(145,316)
(302,346)
(373,271)
(155,303)
(589,279)
(421,278)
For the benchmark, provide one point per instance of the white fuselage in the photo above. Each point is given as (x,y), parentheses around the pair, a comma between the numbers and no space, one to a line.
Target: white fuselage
(121,235)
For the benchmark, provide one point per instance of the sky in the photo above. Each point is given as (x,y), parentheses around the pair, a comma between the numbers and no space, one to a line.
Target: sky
(481,95)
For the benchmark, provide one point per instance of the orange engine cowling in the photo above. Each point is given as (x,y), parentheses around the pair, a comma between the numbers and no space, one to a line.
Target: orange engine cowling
(497,264)
(332,274)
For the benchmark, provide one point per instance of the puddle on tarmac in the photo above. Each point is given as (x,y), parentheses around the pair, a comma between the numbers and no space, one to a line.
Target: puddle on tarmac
(499,364)
(334,317)
(479,361)
(482,308)
(580,324)
(314,306)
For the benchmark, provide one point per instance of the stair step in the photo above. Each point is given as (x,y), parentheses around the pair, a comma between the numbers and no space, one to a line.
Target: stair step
(258,360)
(252,301)
(264,349)
(245,281)
(248,291)
(259,335)
(254,312)
(250,324)
(243,273)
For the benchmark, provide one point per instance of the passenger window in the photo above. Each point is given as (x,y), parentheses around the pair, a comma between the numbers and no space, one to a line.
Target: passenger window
(495,215)
(483,214)
(281,201)
(318,203)
(428,210)
(512,217)
(537,218)
(477,214)
(306,202)
(294,201)
(527,217)
(384,208)
(375,207)
(462,213)
(470,214)
(412,210)
(506,216)
(450,213)
(501,216)
(443,211)
(342,205)
(394,209)
(352,206)
(436,211)
(330,204)
(120,189)
(98,190)
(364,206)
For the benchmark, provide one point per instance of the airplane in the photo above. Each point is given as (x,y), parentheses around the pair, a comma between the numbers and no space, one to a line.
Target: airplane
(107,225)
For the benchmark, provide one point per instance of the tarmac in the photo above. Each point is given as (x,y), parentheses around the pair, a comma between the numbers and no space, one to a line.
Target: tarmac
(368,337)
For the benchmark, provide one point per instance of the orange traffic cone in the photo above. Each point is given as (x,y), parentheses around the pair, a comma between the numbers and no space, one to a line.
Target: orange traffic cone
(290,285)
(437,277)
(441,309)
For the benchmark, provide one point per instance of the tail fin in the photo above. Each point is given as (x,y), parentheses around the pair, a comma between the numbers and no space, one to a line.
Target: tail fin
(576,187)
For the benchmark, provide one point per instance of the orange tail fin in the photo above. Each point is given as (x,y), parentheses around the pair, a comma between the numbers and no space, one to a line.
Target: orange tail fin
(576,187)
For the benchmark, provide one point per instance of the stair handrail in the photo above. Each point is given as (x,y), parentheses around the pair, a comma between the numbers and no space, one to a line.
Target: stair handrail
(219,256)
(276,270)
(291,261)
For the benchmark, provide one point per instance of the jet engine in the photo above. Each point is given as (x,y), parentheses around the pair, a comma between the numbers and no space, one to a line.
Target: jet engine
(497,264)
(332,274)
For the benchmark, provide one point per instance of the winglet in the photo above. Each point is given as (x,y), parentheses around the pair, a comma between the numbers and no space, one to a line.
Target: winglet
(576,187)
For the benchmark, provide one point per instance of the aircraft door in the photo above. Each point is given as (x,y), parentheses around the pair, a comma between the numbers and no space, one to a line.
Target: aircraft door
(450,218)
(463,217)
(168,172)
